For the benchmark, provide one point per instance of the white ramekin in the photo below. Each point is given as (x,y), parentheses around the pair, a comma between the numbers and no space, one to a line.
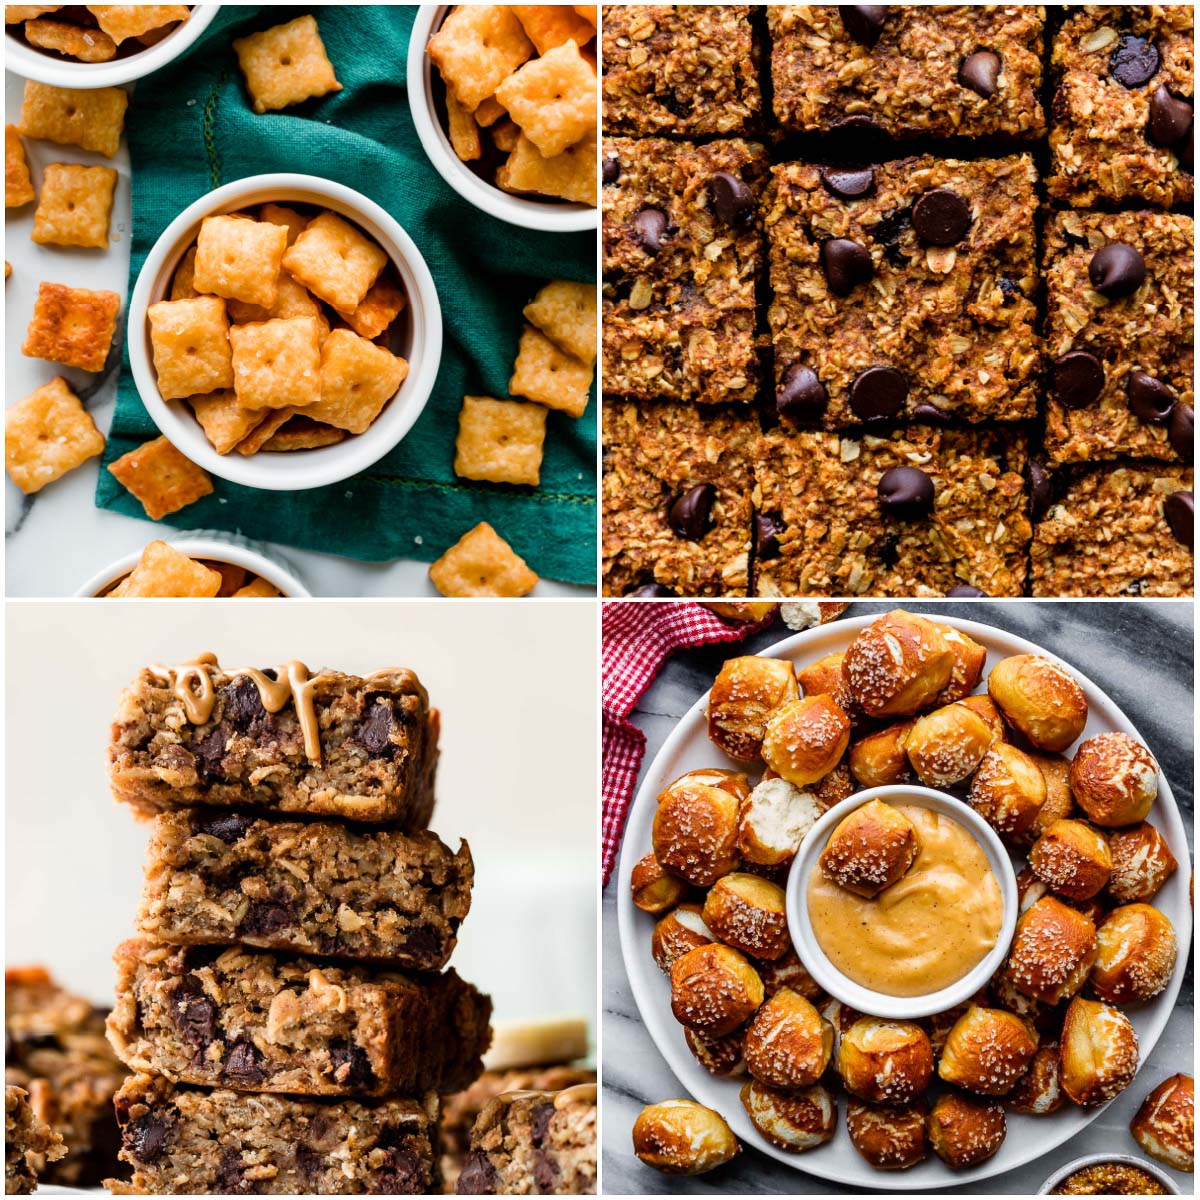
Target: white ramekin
(854,994)
(549,215)
(1091,1160)
(417,337)
(226,548)
(45,66)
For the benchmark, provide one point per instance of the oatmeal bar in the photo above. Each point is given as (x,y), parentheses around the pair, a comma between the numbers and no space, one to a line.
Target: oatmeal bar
(1117,531)
(682,260)
(951,70)
(677,484)
(55,1049)
(1121,121)
(339,745)
(182,1141)
(1119,337)
(28,1144)
(680,69)
(921,512)
(256,1021)
(903,290)
(539,1143)
(311,887)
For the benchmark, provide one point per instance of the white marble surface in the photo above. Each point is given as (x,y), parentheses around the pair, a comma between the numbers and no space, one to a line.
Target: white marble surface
(57,539)
(1141,654)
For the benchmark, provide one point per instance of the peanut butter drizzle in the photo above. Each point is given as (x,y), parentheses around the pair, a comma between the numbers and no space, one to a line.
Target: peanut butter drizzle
(193,687)
(584,1093)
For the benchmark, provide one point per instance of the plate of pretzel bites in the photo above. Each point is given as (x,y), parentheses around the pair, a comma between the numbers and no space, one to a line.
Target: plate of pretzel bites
(929,809)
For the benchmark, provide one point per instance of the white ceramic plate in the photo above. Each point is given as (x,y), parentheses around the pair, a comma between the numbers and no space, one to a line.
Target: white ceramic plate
(688,748)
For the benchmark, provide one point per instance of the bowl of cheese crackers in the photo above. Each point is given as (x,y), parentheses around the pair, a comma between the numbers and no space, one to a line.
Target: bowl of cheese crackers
(505,99)
(284,332)
(98,45)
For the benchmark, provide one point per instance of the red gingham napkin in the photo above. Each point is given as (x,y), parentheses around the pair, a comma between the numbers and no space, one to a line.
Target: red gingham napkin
(637,638)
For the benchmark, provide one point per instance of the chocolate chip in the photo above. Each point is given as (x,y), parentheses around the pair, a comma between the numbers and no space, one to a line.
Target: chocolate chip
(1009,290)
(422,940)
(539,1122)
(1117,270)
(1182,432)
(146,1137)
(1040,492)
(209,750)
(767,528)
(1150,400)
(229,827)
(859,123)
(864,22)
(478,1176)
(374,730)
(351,1066)
(941,217)
(846,264)
(545,1173)
(1180,512)
(906,492)
(732,200)
(848,183)
(1077,379)
(929,414)
(889,550)
(231,1174)
(649,225)
(400,1175)
(878,393)
(887,232)
(690,513)
(193,1013)
(243,704)
(964,591)
(802,398)
(309,1163)
(611,168)
(243,1065)
(1170,118)
(1134,62)
(652,591)
(265,917)
(980,72)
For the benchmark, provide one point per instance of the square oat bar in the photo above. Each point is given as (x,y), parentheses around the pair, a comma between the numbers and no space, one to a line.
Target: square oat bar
(682,260)
(904,290)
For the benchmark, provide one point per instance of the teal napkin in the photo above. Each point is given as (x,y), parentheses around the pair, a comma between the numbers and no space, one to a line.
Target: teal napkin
(191,129)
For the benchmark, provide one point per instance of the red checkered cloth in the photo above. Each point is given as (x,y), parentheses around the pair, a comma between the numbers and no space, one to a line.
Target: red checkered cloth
(638,637)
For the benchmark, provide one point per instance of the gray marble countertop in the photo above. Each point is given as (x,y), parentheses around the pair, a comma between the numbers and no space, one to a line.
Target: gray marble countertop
(1140,652)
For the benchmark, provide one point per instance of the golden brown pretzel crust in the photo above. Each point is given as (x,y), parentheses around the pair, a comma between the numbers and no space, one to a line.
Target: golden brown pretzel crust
(870,849)
(1039,698)
(1135,954)
(1099,1052)
(746,691)
(1165,1125)
(1052,952)
(890,1138)
(898,665)
(1115,779)
(805,739)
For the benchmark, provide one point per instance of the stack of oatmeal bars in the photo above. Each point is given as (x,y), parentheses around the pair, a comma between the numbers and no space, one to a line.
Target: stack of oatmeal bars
(898,300)
(286,1007)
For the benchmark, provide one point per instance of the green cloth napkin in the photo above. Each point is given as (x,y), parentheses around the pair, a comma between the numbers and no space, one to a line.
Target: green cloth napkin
(191,128)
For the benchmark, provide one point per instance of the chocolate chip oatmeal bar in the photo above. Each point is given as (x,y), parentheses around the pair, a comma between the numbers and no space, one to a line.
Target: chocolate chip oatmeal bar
(944,70)
(1117,531)
(682,259)
(309,887)
(534,1143)
(682,70)
(903,290)
(182,1141)
(1121,121)
(921,512)
(364,749)
(29,1144)
(677,484)
(55,1050)
(1120,333)
(251,1020)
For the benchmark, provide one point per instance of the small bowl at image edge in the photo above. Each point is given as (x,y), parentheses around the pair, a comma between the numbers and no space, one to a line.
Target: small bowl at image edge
(226,548)
(547,214)
(1095,1160)
(45,66)
(416,336)
(853,994)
